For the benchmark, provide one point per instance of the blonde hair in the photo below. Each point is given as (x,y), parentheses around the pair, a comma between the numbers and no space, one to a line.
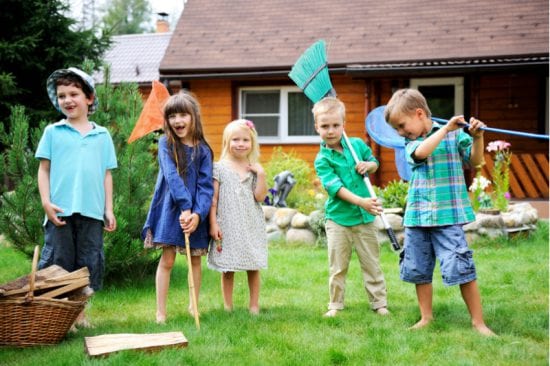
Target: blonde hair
(242,125)
(405,101)
(329,105)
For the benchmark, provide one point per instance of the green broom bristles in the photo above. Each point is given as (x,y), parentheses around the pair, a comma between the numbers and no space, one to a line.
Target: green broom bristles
(310,72)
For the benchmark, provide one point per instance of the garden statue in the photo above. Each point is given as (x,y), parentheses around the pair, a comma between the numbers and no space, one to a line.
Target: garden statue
(284,181)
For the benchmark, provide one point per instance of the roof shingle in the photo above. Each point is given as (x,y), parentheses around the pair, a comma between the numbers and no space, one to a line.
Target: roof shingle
(135,57)
(271,34)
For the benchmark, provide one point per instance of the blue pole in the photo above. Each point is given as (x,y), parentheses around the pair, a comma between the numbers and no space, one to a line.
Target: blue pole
(499,130)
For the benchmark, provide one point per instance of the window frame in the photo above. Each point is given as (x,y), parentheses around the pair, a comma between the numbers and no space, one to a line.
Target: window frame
(457,82)
(282,137)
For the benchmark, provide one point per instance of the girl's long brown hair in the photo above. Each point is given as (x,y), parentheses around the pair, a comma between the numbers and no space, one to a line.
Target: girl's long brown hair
(184,102)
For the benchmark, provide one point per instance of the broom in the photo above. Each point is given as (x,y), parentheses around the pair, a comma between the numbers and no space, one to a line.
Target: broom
(311,75)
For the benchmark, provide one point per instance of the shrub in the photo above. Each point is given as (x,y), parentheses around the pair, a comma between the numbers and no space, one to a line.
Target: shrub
(317,222)
(394,195)
(304,196)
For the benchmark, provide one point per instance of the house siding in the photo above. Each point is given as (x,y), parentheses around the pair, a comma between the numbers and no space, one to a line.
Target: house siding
(503,100)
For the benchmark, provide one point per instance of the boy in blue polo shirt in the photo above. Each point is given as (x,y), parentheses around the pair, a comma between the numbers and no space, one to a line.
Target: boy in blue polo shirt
(74,178)
(438,203)
(349,210)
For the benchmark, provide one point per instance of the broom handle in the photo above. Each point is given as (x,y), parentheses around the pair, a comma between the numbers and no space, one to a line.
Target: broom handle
(498,130)
(191,281)
(389,230)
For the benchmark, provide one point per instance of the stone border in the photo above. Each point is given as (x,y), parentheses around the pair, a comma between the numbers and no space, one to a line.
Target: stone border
(294,227)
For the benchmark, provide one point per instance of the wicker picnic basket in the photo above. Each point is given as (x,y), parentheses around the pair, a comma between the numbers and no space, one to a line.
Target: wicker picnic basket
(29,321)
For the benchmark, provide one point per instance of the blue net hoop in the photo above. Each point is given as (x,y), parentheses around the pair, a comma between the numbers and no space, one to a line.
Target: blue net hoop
(384,135)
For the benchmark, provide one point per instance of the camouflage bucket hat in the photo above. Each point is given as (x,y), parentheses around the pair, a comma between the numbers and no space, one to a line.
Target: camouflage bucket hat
(52,88)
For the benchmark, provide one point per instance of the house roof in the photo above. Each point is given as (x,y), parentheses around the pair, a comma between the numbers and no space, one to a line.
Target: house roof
(135,57)
(239,35)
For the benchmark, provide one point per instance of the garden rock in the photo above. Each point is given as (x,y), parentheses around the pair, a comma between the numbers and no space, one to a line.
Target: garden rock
(520,214)
(269,228)
(304,236)
(300,221)
(269,212)
(283,217)
(395,221)
(490,221)
(275,236)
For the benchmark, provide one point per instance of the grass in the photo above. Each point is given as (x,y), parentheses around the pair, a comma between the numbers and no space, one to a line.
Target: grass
(513,279)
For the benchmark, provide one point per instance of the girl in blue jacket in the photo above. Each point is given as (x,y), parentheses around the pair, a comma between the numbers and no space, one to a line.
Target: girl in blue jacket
(183,195)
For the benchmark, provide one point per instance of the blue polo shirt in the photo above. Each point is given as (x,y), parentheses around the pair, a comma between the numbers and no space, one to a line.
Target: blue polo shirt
(78,165)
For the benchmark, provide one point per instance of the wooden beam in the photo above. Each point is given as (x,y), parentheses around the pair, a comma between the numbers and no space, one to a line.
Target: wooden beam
(109,343)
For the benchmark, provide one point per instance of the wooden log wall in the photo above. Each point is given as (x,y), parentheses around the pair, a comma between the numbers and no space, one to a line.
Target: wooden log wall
(509,101)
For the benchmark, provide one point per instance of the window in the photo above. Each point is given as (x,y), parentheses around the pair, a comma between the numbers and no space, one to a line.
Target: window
(281,114)
(445,96)
(546,109)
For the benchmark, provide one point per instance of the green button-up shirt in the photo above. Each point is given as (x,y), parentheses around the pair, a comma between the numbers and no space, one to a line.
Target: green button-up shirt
(336,170)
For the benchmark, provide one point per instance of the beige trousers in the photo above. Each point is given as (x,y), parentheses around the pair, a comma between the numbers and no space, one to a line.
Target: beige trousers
(341,240)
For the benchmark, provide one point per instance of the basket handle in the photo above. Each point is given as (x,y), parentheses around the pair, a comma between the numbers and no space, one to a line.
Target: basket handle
(32,276)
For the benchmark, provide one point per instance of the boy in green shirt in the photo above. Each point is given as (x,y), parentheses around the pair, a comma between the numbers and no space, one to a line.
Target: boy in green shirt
(349,209)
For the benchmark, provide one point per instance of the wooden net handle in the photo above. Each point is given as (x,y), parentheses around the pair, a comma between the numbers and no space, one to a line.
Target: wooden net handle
(32,276)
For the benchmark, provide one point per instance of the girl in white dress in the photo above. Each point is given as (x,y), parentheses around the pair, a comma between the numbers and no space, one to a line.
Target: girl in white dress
(237,224)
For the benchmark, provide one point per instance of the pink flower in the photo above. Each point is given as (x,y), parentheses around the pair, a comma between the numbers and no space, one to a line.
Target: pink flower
(507,195)
(250,124)
(498,145)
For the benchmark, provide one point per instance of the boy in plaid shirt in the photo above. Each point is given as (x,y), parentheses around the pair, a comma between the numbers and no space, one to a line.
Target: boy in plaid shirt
(438,203)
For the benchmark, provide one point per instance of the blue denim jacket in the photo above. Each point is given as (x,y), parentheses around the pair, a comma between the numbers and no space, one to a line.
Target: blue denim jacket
(173,195)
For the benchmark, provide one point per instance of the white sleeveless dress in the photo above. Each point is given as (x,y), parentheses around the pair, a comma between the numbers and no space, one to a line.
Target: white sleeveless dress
(242,223)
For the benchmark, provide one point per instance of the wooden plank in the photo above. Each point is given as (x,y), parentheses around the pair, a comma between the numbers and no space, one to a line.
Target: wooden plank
(79,273)
(515,188)
(542,160)
(538,179)
(41,283)
(109,343)
(522,175)
(21,284)
(75,284)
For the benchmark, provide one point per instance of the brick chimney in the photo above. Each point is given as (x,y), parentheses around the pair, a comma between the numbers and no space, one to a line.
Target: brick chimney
(162,25)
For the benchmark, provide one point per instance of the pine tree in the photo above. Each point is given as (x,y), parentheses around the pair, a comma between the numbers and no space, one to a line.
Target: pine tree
(133,180)
(21,213)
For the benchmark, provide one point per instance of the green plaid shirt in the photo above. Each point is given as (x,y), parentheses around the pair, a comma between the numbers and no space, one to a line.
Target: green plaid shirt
(438,194)
(336,170)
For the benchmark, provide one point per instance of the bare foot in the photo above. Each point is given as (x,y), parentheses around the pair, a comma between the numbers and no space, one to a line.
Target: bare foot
(254,310)
(421,324)
(484,330)
(161,319)
(228,308)
(383,311)
(83,322)
(331,313)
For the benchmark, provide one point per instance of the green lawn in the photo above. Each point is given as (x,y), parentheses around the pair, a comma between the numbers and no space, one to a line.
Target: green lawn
(513,278)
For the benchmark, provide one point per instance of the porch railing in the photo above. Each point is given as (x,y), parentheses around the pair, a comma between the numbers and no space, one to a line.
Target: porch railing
(528,175)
